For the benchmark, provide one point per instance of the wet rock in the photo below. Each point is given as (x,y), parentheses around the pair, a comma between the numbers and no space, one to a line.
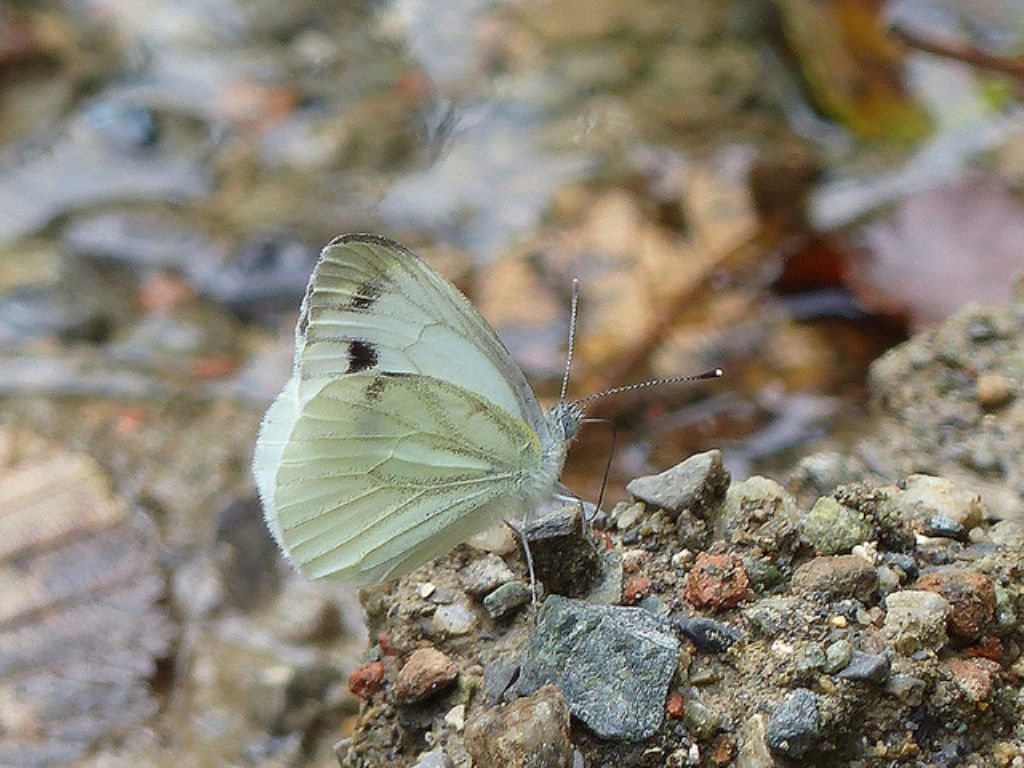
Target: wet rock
(454,619)
(367,680)
(971,597)
(485,575)
(426,672)
(838,577)
(506,598)
(716,581)
(697,484)
(834,529)
(866,667)
(916,620)
(709,635)
(613,664)
(924,496)
(795,725)
(563,559)
(531,732)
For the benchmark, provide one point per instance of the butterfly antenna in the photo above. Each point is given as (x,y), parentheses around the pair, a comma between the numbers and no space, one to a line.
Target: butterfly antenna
(574,302)
(714,373)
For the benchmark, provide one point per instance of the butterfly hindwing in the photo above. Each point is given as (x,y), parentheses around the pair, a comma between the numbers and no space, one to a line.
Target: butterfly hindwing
(383,471)
(372,305)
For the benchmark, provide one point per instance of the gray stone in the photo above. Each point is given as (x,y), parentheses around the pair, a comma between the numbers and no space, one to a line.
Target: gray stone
(709,635)
(808,659)
(506,598)
(924,496)
(943,527)
(837,656)
(916,620)
(454,619)
(613,664)
(485,575)
(435,758)
(1007,533)
(837,577)
(834,529)
(696,484)
(866,667)
(908,689)
(795,725)
(700,721)
(564,559)
(531,732)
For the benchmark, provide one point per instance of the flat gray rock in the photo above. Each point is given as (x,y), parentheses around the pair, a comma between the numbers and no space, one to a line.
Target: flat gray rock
(613,664)
(696,484)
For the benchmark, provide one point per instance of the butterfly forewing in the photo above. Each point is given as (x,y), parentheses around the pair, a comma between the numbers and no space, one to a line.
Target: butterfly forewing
(372,305)
(383,471)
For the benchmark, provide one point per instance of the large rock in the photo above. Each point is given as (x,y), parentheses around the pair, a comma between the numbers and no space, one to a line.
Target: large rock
(613,664)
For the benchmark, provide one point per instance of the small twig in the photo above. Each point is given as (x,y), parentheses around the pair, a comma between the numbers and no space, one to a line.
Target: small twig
(968,54)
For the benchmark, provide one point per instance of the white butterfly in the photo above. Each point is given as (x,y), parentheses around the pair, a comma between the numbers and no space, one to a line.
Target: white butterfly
(406,427)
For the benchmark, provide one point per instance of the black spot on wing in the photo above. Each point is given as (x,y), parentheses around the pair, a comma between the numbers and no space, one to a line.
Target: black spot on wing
(365,295)
(361,356)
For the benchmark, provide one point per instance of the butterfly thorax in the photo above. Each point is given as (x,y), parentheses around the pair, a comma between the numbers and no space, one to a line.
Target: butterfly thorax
(562,421)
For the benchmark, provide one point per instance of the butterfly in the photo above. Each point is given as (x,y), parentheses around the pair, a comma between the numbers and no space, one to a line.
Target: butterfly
(406,427)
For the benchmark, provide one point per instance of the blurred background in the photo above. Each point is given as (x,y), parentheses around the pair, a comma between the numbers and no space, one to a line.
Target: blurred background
(783,188)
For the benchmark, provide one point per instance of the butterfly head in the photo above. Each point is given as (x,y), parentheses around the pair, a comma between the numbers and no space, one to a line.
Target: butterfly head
(564,419)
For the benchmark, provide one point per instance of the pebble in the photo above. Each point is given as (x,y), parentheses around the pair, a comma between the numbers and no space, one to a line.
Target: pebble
(838,655)
(709,635)
(994,390)
(866,667)
(454,619)
(716,581)
(635,589)
(971,597)
(1007,533)
(908,689)
(808,659)
(916,620)
(367,680)
(627,515)
(837,576)
(506,598)
(498,677)
(498,539)
(975,677)
(924,496)
(795,725)
(834,529)
(943,527)
(612,663)
(701,722)
(697,484)
(563,557)
(435,758)
(531,732)
(426,672)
